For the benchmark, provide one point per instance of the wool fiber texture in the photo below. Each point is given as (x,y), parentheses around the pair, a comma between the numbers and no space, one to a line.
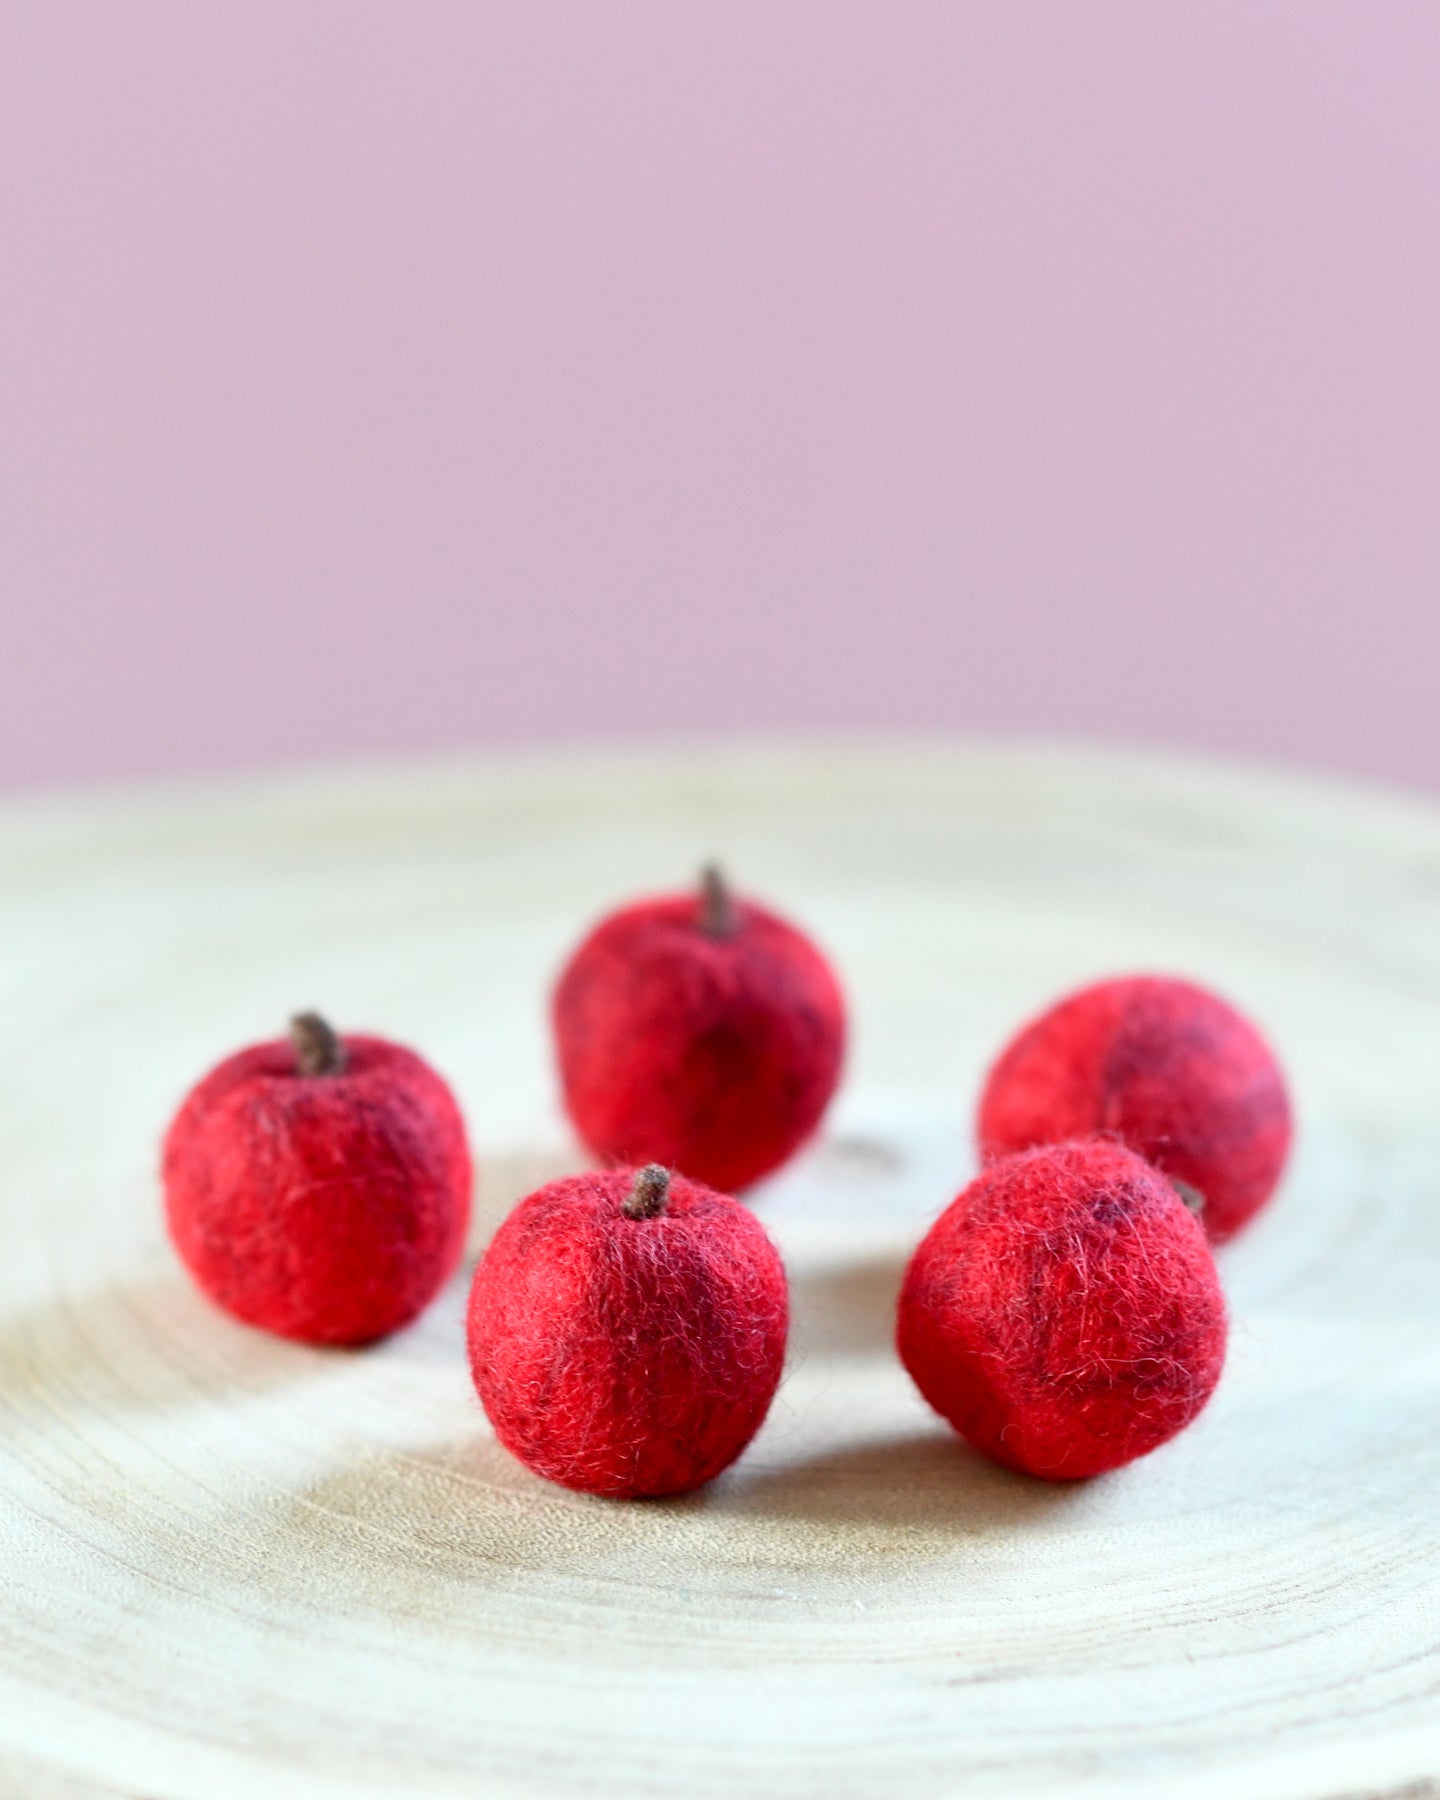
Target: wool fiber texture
(328,1208)
(1064,1313)
(714,1055)
(627,1356)
(1163,1066)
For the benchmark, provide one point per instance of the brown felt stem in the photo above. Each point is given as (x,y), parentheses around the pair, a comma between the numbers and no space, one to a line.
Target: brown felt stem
(650,1194)
(1192,1196)
(318,1050)
(718,916)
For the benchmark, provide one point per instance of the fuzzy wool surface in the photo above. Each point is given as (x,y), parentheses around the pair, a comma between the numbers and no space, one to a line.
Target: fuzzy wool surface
(621,1356)
(1158,1064)
(1064,1313)
(716,1056)
(328,1208)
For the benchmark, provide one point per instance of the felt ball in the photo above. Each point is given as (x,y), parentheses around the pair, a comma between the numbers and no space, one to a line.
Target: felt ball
(699,1031)
(1163,1066)
(627,1331)
(1064,1313)
(318,1186)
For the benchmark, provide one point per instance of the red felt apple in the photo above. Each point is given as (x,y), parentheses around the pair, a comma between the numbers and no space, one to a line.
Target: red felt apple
(1064,1313)
(319,1186)
(699,1031)
(1161,1065)
(627,1331)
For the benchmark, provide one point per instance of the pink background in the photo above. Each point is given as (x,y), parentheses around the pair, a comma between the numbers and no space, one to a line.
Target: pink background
(377,377)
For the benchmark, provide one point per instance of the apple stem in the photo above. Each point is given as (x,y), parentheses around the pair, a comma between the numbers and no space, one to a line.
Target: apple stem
(318,1050)
(1192,1196)
(718,917)
(650,1194)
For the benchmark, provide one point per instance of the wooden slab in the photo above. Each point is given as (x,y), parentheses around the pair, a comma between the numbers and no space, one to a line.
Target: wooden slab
(235,1568)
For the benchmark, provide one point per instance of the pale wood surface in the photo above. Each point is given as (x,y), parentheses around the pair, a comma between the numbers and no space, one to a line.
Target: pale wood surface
(235,1568)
